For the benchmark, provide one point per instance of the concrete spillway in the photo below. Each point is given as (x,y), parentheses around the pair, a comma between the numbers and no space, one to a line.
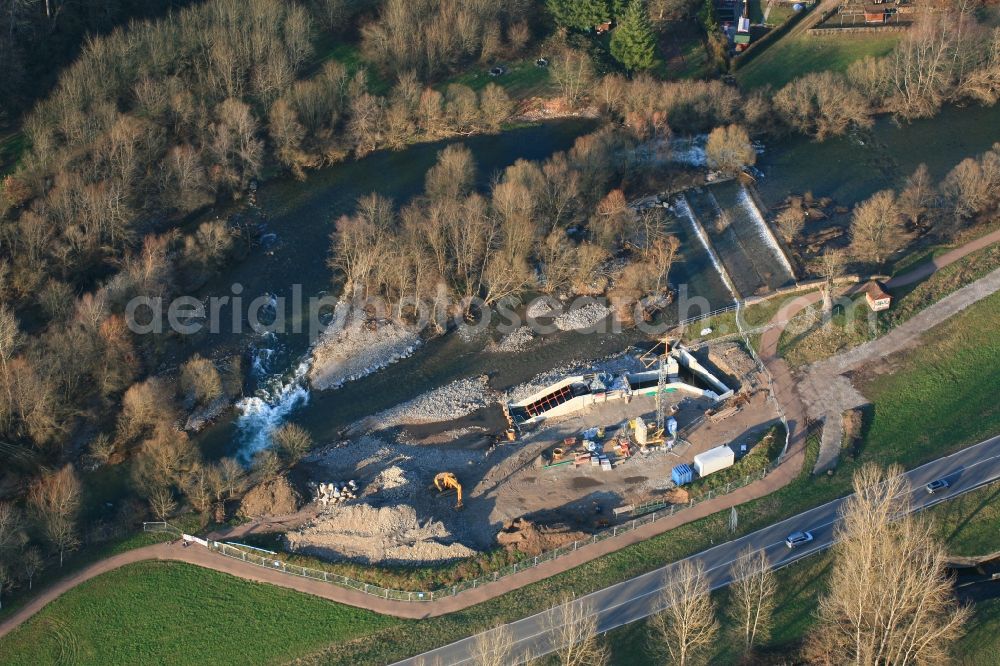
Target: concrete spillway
(740,238)
(683,209)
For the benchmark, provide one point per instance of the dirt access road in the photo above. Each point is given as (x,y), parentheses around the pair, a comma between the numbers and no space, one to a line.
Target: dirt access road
(785,392)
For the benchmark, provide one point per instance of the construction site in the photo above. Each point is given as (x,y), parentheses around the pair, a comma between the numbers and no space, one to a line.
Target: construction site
(531,468)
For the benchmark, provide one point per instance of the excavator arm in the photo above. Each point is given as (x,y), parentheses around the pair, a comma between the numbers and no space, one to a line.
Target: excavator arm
(448,481)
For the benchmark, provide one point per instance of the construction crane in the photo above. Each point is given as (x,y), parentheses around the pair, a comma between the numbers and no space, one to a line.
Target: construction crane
(448,481)
(661,383)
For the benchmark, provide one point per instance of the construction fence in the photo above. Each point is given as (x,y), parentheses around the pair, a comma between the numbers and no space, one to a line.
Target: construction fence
(271,561)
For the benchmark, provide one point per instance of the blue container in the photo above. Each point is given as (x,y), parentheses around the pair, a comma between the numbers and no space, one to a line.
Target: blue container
(682,474)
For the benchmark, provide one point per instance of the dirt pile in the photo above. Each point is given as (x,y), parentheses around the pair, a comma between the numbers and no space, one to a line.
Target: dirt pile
(276,497)
(389,484)
(678,496)
(526,537)
(387,535)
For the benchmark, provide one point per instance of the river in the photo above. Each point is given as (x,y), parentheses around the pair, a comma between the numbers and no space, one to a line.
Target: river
(300,214)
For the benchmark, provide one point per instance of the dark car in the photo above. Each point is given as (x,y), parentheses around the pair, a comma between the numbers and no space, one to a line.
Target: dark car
(934,486)
(796,539)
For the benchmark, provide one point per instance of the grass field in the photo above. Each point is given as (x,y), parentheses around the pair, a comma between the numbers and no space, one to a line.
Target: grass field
(941,393)
(160,612)
(979,646)
(753,316)
(521,79)
(796,55)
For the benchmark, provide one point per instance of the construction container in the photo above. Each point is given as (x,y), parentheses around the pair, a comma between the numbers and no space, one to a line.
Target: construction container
(682,474)
(713,460)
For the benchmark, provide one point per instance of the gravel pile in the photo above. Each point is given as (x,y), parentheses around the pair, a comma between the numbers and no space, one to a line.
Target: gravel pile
(581,318)
(389,484)
(387,535)
(540,307)
(351,349)
(514,341)
(451,401)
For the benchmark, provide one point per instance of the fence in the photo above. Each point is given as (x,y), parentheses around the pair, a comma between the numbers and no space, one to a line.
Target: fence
(161,526)
(276,564)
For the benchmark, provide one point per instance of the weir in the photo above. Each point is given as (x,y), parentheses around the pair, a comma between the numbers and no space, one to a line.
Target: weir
(684,208)
(765,231)
(735,228)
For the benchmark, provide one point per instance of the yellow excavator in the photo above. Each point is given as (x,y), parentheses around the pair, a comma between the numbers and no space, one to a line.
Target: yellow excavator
(448,481)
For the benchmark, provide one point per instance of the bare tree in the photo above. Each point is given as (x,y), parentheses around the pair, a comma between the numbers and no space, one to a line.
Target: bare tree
(266,465)
(829,266)
(969,188)
(493,647)
(918,195)
(10,341)
(233,478)
(294,441)
(790,222)
(573,73)
(729,149)
(573,629)
(200,380)
(6,580)
(31,564)
(752,592)
(890,599)
(685,624)
(453,175)
(11,523)
(822,104)
(876,231)
(55,498)
(162,502)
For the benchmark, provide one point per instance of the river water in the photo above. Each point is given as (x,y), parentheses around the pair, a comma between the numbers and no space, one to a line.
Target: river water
(853,167)
(300,215)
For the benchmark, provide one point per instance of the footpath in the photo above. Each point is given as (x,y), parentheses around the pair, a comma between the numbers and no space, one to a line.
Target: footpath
(785,392)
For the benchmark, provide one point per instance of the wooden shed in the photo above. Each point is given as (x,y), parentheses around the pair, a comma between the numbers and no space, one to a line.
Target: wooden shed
(876,297)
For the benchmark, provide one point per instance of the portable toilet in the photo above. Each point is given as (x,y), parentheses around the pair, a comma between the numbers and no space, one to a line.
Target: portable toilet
(682,474)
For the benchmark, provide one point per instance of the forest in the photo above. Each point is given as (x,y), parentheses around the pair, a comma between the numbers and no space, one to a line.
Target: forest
(151,122)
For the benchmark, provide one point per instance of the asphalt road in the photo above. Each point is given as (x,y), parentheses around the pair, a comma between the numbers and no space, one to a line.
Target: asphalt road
(637,598)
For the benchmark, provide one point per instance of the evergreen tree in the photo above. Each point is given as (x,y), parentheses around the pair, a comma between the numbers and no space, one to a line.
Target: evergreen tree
(579,14)
(632,42)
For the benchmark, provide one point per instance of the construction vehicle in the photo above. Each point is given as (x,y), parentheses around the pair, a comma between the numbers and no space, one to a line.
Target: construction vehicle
(448,481)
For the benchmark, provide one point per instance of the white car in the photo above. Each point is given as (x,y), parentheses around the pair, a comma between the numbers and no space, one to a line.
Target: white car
(796,539)
(934,486)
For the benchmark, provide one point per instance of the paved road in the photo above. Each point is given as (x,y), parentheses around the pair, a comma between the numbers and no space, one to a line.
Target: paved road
(636,598)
